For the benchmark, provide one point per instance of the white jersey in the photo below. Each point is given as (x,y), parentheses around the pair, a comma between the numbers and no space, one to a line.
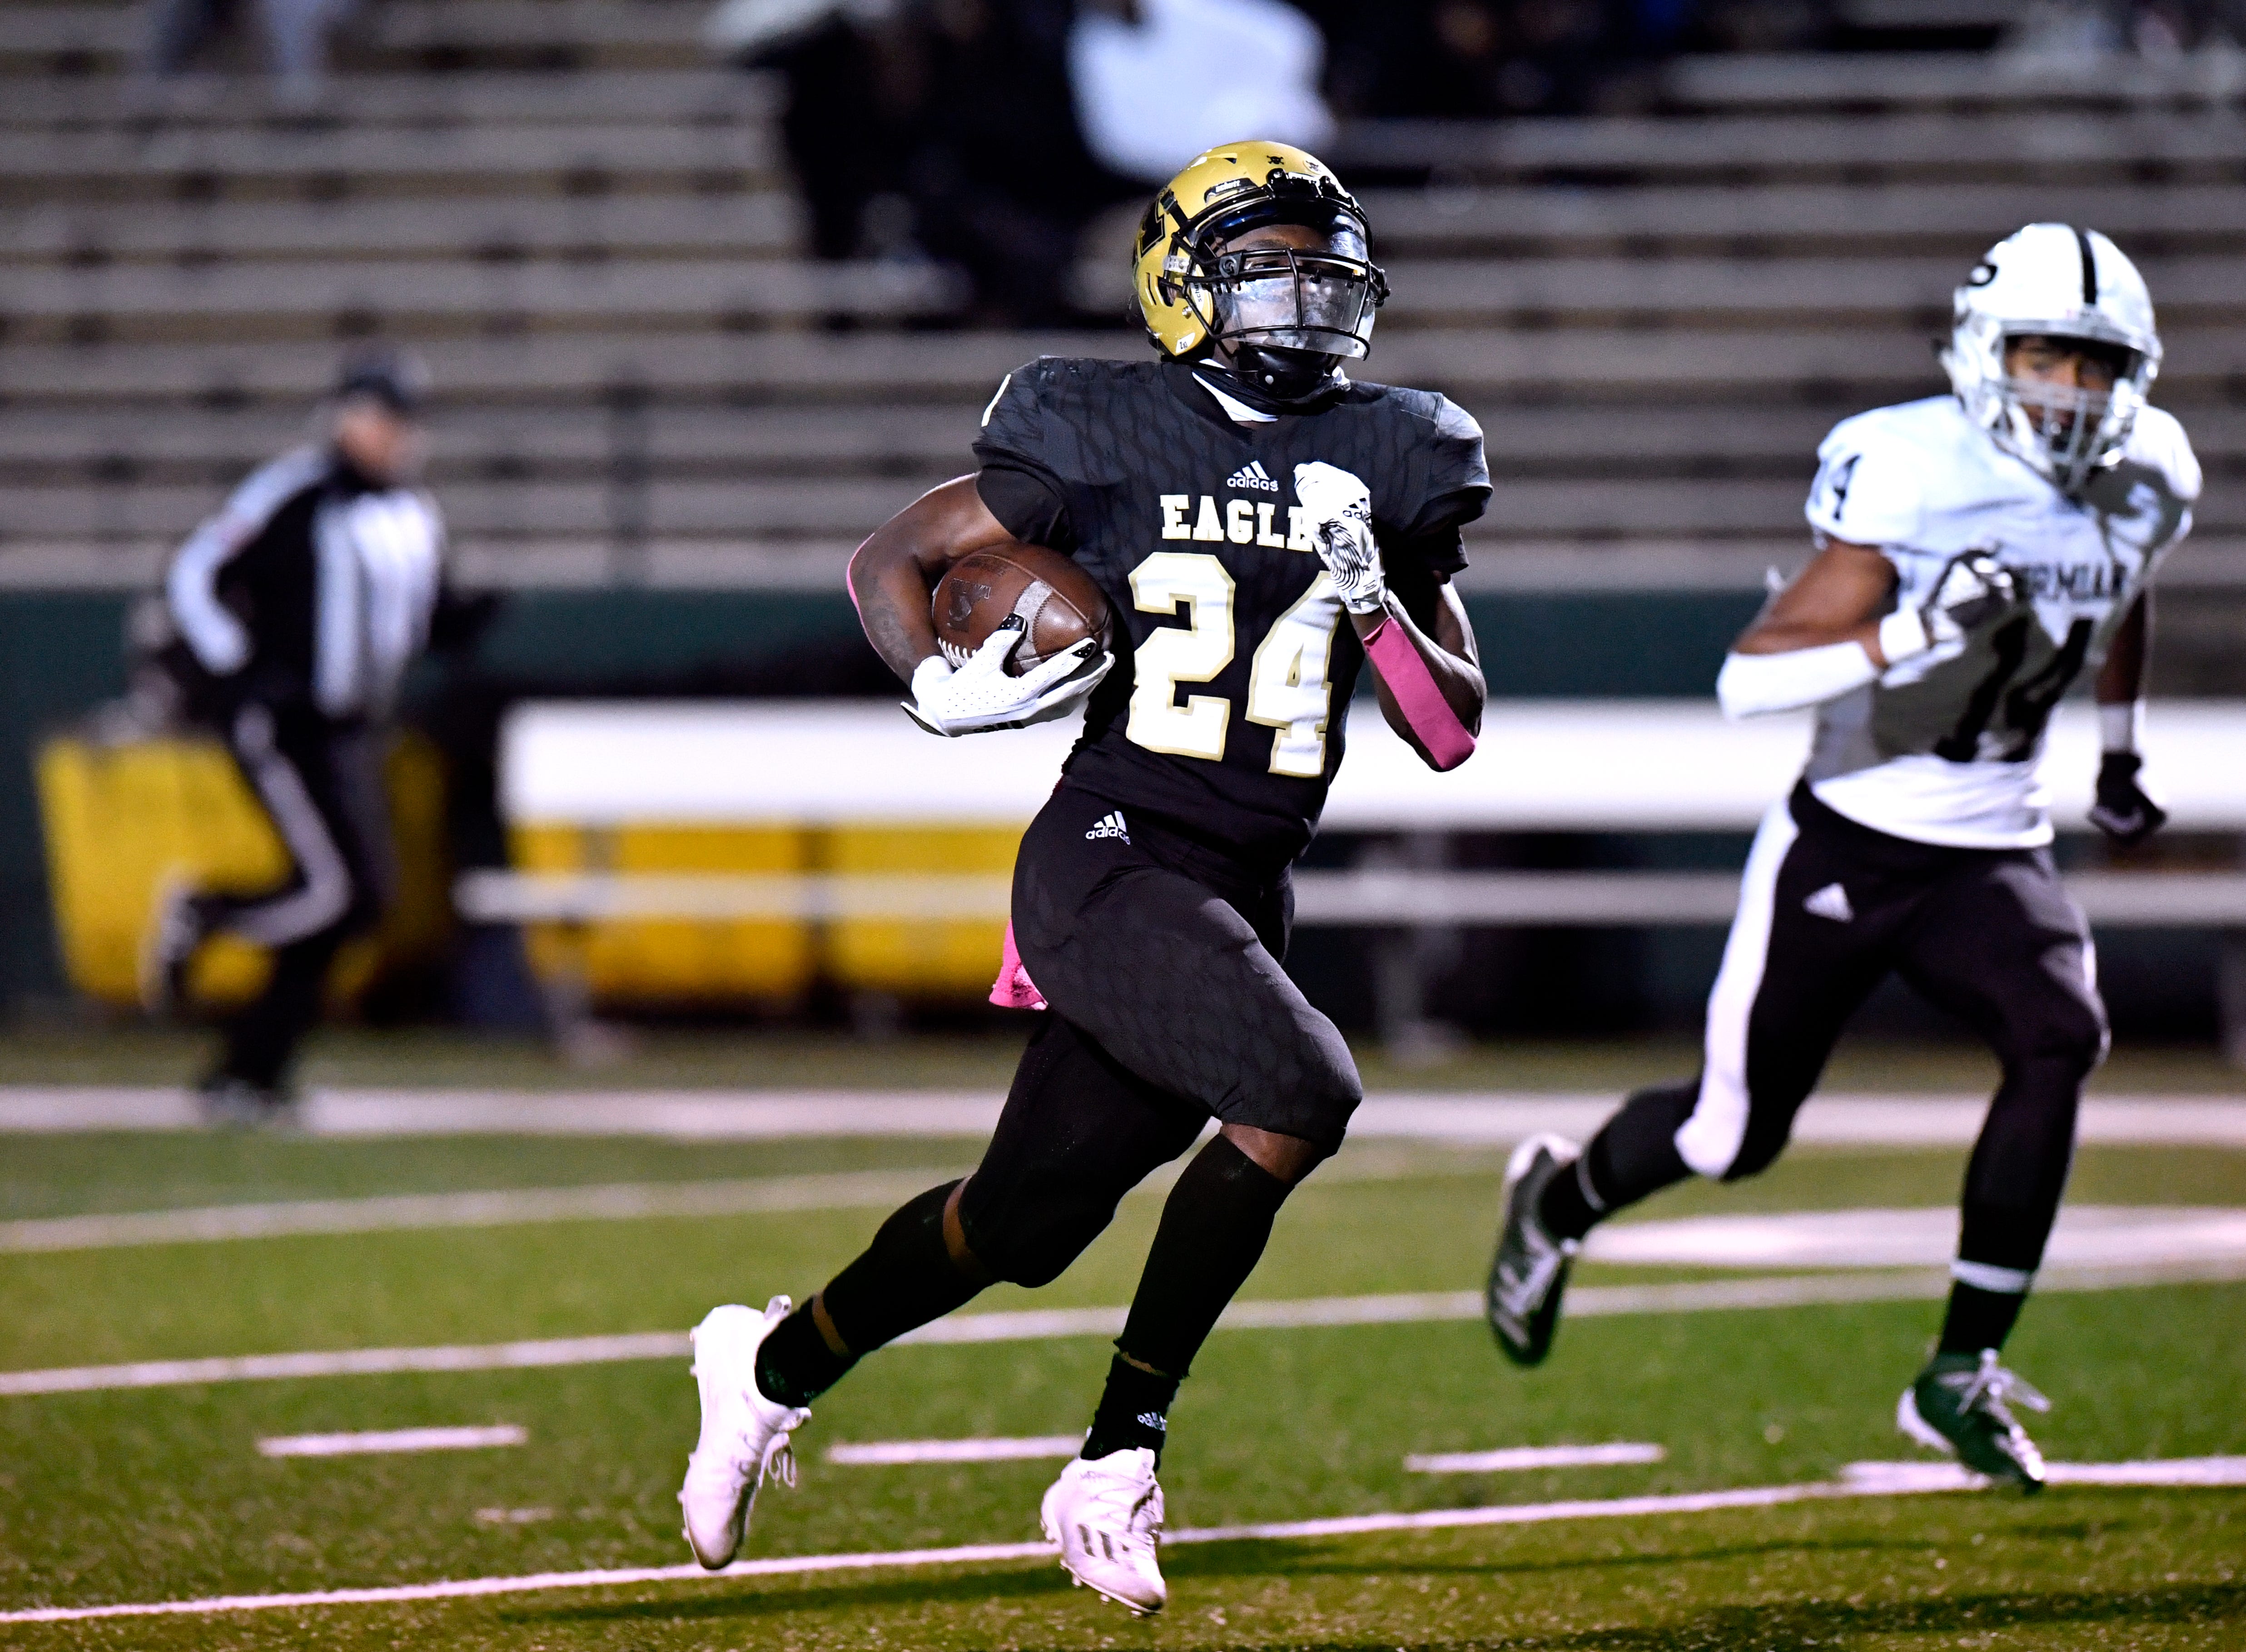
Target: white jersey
(1945,747)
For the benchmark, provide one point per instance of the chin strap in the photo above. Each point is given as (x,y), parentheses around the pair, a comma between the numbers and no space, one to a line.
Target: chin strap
(1414,685)
(1241,382)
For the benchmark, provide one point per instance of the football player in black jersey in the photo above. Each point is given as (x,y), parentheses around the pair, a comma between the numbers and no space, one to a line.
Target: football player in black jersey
(1237,501)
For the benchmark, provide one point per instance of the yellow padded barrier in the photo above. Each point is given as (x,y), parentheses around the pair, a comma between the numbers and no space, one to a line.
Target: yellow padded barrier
(123,821)
(654,962)
(953,959)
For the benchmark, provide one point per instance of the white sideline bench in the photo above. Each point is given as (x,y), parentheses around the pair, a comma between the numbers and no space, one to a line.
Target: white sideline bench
(1363,900)
(1543,766)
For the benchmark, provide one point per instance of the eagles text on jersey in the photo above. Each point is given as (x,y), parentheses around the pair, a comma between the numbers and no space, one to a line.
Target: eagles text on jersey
(1233,662)
(1942,748)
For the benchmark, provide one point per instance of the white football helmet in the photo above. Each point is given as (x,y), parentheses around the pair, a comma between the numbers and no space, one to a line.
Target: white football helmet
(2063,282)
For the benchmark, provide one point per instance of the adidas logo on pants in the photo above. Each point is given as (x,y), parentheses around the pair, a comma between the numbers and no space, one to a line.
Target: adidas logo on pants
(1109,825)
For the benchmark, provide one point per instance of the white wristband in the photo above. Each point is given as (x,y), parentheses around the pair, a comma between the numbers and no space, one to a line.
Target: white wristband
(1902,634)
(1752,685)
(2121,726)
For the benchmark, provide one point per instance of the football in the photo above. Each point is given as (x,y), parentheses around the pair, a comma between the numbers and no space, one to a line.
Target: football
(1058,604)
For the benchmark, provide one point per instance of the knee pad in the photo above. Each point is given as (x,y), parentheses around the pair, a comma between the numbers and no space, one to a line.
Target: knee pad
(2067,1033)
(1314,1102)
(1335,1092)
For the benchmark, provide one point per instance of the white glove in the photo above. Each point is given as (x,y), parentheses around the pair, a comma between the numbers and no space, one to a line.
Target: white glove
(1340,510)
(979,695)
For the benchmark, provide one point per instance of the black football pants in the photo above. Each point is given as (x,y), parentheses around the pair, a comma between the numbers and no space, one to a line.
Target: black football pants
(320,784)
(1159,958)
(1829,908)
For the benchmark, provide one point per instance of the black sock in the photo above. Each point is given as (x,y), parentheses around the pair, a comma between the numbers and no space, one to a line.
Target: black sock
(903,1280)
(794,1364)
(1133,1410)
(1213,1228)
(1978,1318)
(1565,1210)
(1633,1155)
(1213,1231)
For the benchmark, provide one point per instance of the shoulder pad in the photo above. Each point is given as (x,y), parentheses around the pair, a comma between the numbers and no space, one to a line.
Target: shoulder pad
(1870,489)
(2159,440)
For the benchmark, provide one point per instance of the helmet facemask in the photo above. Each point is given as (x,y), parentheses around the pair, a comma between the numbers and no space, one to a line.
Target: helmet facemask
(1287,316)
(2066,432)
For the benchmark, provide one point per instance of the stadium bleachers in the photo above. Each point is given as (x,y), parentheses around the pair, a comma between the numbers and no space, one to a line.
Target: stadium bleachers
(587,229)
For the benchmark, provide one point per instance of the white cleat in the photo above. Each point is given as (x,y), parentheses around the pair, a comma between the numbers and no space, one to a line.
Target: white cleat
(1105,1515)
(744,1434)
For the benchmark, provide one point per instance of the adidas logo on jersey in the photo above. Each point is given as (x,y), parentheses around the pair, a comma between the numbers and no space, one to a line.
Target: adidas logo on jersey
(1110,826)
(1254,477)
(1831,902)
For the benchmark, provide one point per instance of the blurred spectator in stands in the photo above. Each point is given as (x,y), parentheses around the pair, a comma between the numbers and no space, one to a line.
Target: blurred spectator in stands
(1001,179)
(296,41)
(2155,28)
(1765,26)
(1479,58)
(953,114)
(852,75)
(1158,81)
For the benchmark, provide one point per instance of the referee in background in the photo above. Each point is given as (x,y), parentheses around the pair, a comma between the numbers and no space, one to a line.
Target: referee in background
(295,611)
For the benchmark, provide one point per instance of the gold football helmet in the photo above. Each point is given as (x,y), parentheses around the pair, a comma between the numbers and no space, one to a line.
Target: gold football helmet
(1193,294)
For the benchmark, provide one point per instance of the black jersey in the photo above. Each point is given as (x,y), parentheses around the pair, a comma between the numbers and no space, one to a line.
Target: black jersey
(1231,656)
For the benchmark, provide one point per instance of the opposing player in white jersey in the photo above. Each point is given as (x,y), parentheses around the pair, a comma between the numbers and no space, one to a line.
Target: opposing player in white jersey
(1976,553)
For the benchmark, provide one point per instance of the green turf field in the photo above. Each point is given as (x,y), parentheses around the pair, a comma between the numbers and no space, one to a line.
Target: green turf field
(159,1493)
(69,1051)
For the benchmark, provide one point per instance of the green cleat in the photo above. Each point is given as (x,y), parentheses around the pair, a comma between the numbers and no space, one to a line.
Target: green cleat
(1961,1404)
(1529,1273)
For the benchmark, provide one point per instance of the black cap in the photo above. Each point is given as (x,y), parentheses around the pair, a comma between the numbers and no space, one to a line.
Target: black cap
(394,378)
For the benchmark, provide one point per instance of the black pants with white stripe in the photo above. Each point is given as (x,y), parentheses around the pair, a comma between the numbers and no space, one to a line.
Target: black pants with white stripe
(1829,908)
(320,784)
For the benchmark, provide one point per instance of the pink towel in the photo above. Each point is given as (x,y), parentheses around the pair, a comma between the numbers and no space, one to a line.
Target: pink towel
(1014,990)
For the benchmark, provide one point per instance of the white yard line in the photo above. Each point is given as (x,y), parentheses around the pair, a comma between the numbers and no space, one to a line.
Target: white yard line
(2086,1236)
(888,1454)
(2169,1471)
(348,1362)
(1924,1476)
(613,1202)
(1798,1290)
(1493,1118)
(1510,1458)
(393,1439)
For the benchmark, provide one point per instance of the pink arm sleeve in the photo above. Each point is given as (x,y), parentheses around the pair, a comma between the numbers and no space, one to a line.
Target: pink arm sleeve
(1423,705)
